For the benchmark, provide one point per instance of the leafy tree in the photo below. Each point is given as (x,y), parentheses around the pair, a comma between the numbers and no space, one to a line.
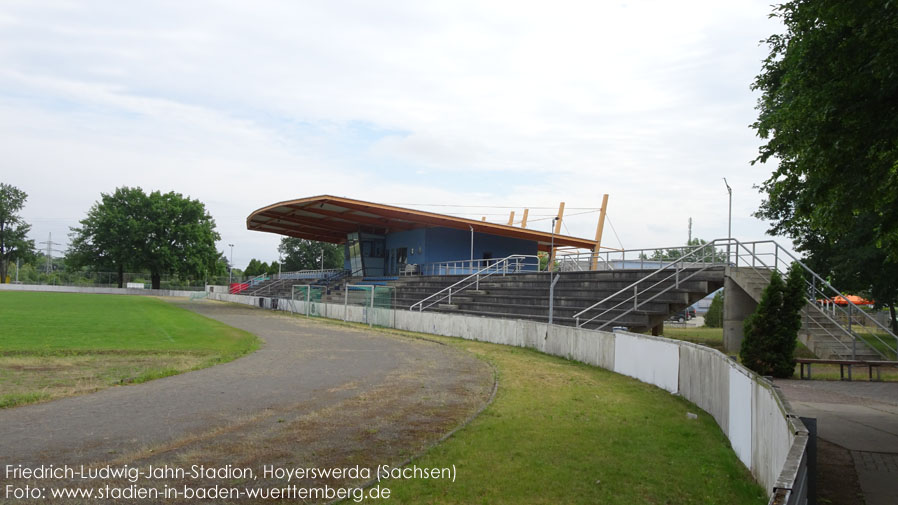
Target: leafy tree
(162,233)
(273,268)
(302,254)
(829,114)
(853,263)
(112,236)
(714,316)
(253,268)
(180,238)
(14,243)
(768,347)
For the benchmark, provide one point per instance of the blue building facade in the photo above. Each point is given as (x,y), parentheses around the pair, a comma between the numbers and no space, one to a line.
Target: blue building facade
(391,253)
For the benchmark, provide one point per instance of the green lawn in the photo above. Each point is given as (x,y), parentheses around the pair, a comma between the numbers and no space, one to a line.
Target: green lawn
(564,432)
(60,344)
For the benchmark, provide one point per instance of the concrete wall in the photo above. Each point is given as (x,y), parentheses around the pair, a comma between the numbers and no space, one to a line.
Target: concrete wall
(737,306)
(746,407)
(97,291)
(651,360)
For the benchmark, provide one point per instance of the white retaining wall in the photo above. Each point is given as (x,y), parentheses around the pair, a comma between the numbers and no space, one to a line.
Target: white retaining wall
(96,291)
(746,407)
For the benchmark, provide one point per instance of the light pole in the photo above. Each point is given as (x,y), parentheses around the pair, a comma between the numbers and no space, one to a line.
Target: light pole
(472,248)
(550,264)
(729,219)
(552,278)
(231,269)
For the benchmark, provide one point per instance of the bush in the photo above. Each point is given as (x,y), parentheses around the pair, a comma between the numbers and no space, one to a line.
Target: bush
(714,316)
(771,332)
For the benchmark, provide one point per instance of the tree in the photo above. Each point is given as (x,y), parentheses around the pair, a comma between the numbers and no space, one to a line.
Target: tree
(162,233)
(771,331)
(112,236)
(829,114)
(302,254)
(706,255)
(714,316)
(14,242)
(253,268)
(180,238)
(854,264)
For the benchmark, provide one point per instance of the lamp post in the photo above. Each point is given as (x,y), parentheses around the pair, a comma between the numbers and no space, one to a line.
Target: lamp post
(549,264)
(231,269)
(472,248)
(552,278)
(729,219)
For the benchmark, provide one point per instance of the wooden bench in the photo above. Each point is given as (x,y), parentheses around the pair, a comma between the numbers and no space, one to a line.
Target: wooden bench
(845,363)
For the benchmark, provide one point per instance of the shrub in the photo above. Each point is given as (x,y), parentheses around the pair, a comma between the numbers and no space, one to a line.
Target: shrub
(771,332)
(714,316)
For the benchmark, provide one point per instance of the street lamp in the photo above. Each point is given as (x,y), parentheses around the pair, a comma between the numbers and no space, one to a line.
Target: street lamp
(231,269)
(729,219)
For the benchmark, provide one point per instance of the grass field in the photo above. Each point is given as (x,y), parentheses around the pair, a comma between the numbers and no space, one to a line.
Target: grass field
(563,432)
(62,344)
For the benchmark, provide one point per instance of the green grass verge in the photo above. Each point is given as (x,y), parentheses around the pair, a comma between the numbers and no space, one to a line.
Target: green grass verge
(564,432)
(711,337)
(61,344)
(884,344)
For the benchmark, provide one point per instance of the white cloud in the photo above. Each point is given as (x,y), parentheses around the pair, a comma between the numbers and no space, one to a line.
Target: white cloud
(243,104)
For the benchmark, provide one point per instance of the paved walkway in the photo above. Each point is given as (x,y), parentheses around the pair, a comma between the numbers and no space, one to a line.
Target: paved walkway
(861,417)
(304,366)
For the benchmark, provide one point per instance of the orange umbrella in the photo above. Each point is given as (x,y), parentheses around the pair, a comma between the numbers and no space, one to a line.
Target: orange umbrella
(843,300)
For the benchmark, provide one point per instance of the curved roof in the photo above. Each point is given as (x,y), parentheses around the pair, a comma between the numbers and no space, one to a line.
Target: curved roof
(329,218)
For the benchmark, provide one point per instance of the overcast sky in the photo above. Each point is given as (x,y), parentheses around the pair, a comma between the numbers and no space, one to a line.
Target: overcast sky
(242,104)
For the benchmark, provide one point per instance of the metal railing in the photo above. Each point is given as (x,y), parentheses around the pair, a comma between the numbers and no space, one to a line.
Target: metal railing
(768,255)
(455,267)
(515,263)
(761,257)
(633,259)
(308,274)
(675,271)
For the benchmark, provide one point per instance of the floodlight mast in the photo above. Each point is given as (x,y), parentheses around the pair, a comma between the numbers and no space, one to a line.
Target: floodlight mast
(729,219)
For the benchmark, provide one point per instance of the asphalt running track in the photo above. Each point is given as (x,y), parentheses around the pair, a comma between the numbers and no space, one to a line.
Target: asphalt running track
(303,366)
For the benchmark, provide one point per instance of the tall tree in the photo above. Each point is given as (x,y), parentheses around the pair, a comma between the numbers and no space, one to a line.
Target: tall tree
(112,236)
(829,114)
(180,238)
(302,254)
(253,268)
(14,243)
(165,233)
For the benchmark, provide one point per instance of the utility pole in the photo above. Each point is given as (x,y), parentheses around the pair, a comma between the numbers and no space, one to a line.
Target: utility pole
(50,251)
(231,267)
(689,242)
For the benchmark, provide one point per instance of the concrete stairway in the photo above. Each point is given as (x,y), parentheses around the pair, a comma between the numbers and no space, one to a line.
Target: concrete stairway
(526,296)
(825,337)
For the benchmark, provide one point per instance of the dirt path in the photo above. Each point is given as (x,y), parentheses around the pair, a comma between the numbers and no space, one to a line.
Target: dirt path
(315,393)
